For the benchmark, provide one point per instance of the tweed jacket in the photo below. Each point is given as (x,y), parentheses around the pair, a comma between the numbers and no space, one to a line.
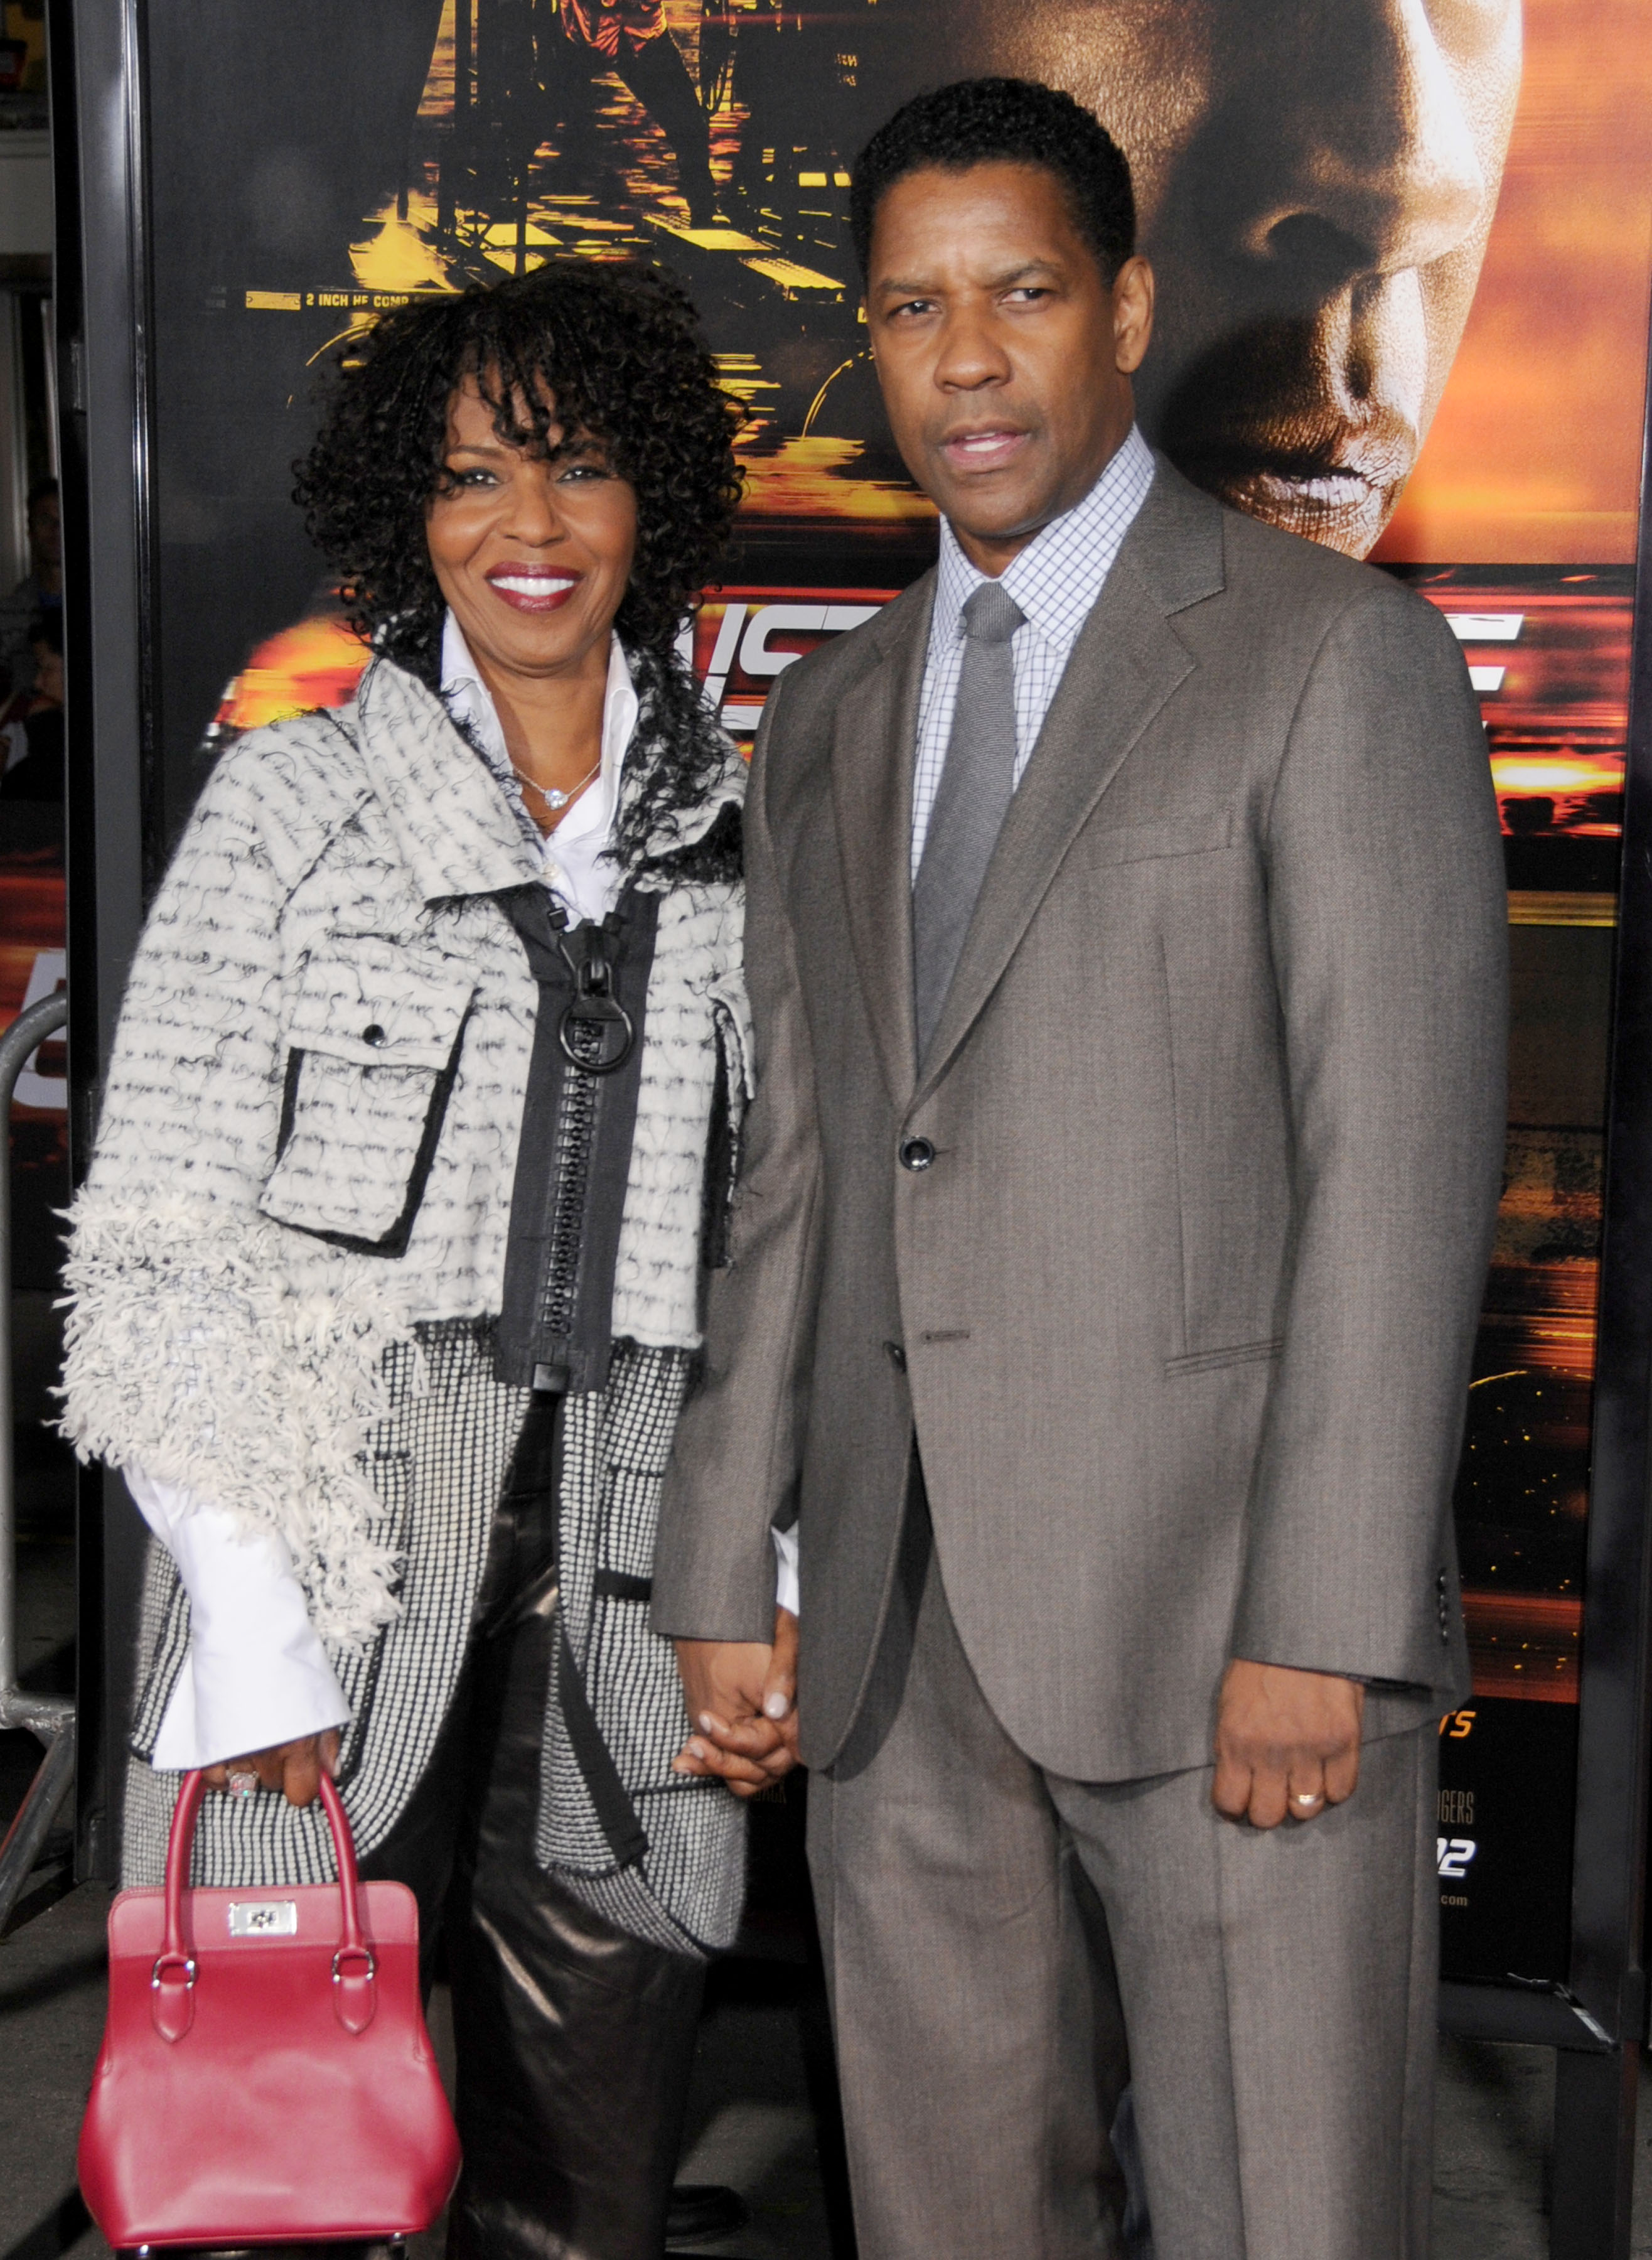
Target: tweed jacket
(309,1131)
(1169,1255)
(287,1262)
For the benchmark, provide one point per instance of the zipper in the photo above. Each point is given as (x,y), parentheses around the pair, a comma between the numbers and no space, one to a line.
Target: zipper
(597,1037)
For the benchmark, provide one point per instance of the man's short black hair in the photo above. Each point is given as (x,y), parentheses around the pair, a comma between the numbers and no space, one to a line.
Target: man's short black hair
(1016,121)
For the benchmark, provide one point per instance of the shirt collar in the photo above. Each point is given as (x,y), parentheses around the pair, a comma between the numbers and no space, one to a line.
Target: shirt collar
(1056,579)
(470,703)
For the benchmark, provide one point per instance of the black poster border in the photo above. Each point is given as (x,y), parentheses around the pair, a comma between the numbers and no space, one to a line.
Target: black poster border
(99,158)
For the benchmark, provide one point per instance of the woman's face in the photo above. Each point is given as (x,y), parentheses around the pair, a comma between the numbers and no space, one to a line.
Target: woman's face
(534,555)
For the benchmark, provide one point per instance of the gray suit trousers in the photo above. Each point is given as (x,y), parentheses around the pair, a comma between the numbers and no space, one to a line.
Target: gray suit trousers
(1006,1947)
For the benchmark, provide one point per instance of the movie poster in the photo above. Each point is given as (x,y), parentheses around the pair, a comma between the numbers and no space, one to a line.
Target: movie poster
(1404,255)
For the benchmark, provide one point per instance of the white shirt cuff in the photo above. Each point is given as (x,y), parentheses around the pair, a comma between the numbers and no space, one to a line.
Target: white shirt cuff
(256,1674)
(786,1569)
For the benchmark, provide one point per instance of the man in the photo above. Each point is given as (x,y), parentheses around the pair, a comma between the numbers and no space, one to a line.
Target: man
(628,40)
(1117,1201)
(1315,183)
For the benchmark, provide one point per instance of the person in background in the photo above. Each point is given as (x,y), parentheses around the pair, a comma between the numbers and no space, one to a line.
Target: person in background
(590,39)
(414,1157)
(39,592)
(34,742)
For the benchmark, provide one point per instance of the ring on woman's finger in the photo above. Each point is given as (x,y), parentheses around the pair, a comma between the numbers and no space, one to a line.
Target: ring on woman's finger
(1305,1797)
(242,1785)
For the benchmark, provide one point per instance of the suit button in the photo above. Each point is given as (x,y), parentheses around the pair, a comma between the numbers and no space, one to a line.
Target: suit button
(896,1355)
(916,1153)
(373,1034)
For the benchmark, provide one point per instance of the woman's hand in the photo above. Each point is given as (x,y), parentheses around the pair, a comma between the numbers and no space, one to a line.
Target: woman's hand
(293,1768)
(742,1696)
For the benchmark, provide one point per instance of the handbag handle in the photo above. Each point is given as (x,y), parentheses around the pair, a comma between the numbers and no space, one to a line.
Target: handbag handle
(172,1981)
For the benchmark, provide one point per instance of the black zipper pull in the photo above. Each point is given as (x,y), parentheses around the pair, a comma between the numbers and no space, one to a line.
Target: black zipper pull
(595,1031)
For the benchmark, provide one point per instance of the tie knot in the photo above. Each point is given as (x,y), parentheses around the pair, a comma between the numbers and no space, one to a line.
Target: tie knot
(991,615)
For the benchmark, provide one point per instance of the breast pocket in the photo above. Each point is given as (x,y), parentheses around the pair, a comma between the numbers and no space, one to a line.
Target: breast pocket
(373,1052)
(1202,832)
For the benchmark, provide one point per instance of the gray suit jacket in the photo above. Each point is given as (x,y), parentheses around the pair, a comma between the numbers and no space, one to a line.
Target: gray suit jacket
(1181,1312)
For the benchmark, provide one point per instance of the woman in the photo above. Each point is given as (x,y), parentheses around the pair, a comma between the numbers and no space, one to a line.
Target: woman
(417,1144)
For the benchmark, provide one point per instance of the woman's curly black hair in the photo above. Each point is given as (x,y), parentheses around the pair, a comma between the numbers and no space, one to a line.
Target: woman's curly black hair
(616,351)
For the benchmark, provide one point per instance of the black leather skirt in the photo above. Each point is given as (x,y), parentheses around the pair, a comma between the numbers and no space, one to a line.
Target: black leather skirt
(574,2040)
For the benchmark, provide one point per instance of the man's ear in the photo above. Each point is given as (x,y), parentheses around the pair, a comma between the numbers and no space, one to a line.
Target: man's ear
(1132,297)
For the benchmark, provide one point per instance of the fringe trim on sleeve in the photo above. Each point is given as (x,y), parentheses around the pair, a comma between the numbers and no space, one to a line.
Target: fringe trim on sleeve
(196,1352)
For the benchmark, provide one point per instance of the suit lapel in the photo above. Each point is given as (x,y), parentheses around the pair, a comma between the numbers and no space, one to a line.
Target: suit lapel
(1127,662)
(873,742)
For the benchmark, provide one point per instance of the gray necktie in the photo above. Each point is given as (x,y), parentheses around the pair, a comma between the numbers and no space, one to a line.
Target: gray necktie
(975,786)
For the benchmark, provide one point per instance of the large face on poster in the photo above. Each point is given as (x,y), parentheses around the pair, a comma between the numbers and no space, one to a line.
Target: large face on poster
(1403,251)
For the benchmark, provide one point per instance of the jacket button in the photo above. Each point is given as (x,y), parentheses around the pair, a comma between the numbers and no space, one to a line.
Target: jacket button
(373,1034)
(916,1153)
(896,1355)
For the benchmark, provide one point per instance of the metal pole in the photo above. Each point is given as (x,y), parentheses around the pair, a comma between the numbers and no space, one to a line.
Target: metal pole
(51,1717)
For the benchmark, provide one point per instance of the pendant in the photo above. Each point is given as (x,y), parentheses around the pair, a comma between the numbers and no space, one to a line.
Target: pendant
(554,799)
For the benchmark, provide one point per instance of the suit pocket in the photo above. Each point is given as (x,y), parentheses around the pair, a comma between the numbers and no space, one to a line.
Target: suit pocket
(1210,1361)
(1199,833)
(374,1046)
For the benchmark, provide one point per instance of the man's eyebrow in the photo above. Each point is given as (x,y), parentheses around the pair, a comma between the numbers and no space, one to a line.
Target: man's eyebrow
(885,287)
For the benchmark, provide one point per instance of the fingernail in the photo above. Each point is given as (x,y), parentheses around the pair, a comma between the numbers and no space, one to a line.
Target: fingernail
(697,1750)
(776,1706)
(705,1722)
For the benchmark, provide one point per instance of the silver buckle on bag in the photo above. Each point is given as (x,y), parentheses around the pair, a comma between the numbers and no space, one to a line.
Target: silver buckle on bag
(263,1918)
(185,1962)
(366,1952)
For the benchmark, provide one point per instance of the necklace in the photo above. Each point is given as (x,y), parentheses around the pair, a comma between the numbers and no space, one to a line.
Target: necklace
(549,795)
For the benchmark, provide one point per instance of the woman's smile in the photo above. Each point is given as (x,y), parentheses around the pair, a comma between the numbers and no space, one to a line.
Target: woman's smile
(533,587)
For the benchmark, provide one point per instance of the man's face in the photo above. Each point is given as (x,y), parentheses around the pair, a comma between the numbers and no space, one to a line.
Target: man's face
(1316,180)
(1003,354)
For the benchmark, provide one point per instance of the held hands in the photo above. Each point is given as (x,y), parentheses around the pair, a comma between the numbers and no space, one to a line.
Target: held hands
(741,1698)
(293,1768)
(1287,1741)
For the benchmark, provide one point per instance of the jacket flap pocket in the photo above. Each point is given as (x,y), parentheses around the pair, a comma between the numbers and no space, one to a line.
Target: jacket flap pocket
(1194,834)
(365,1000)
(1210,1361)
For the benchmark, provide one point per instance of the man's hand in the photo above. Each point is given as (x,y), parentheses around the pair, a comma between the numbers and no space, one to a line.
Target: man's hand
(294,1768)
(741,1698)
(1286,1742)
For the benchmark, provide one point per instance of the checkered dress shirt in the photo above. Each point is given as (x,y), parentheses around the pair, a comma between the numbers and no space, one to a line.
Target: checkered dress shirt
(1056,580)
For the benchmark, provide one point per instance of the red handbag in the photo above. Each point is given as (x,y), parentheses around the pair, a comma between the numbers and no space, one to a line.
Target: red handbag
(265,2077)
